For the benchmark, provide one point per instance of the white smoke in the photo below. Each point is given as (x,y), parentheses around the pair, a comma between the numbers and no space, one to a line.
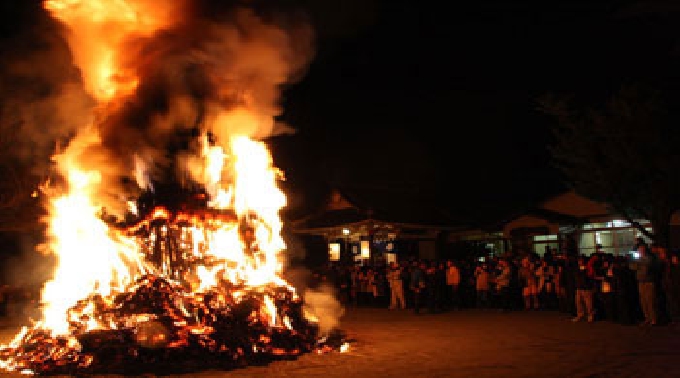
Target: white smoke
(323,303)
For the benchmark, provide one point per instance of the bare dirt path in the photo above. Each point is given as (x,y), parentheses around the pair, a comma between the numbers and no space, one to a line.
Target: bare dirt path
(477,343)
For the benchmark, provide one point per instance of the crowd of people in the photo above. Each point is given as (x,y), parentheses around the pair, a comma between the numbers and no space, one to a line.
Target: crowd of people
(639,287)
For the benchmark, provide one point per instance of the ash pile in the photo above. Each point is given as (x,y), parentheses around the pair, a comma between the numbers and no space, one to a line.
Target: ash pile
(159,326)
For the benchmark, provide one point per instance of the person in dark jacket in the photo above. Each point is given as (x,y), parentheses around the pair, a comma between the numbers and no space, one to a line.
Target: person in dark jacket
(625,291)
(442,302)
(433,288)
(674,291)
(418,285)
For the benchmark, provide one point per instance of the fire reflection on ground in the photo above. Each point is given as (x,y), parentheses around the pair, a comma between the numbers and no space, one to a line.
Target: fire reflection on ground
(157,326)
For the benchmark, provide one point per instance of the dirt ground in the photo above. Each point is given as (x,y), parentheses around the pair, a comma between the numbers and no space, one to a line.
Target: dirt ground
(479,343)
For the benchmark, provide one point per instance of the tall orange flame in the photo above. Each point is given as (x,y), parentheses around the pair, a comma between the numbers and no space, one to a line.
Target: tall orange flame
(161,82)
(236,171)
(99,29)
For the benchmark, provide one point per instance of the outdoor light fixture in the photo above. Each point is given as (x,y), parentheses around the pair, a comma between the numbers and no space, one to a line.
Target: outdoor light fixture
(345,231)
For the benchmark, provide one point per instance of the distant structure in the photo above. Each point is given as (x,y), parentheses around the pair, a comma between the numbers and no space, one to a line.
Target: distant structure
(374,227)
(566,222)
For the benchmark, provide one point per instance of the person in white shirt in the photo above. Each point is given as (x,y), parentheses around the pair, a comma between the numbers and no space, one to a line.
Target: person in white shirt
(396,287)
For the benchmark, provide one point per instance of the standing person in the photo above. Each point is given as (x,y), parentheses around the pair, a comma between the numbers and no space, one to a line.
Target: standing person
(442,302)
(560,290)
(645,266)
(663,285)
(394,274)
(381,284)
(453,284)
(546,284)
(355,284)
(568,282)
(418,285)
(529,282)
(406,269)
(608,289)
(503,284)
(364,294)
(482,285)
(584,291)
(674,291)
(345,285)
(596,267)
(625,291)
(372,286)
(433,294)
(640,241)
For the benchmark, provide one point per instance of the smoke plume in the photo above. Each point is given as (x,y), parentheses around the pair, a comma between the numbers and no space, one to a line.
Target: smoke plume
(323,303)
(164,72)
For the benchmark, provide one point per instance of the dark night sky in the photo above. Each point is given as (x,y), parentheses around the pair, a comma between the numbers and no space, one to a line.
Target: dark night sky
(438,98)
(448,95)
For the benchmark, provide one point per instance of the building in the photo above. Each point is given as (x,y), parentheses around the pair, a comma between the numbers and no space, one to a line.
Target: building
(565,222)
(374,226)
(371,227)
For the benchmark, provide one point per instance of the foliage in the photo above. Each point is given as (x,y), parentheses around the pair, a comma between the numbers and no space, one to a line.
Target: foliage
(623,153)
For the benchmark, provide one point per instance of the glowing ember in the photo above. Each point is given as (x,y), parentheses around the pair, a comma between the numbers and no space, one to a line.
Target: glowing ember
(168,238)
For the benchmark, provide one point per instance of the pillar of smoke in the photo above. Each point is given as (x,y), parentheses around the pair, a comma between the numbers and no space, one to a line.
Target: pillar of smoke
(42,100)
(181,67)
(320,297)
(323,303)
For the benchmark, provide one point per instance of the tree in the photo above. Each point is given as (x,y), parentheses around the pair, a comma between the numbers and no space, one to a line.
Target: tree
(624,153)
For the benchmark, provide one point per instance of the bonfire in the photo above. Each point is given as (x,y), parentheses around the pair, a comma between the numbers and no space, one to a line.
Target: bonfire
(164,212)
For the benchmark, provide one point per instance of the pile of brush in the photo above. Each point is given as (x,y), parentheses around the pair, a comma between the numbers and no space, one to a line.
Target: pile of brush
(159,326)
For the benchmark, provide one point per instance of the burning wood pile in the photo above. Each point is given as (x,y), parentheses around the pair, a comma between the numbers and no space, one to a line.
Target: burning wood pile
(185,93)
(162,324)
(159,326)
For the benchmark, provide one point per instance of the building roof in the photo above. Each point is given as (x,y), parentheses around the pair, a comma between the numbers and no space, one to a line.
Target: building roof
(562,209)
(572,204)
(351,206)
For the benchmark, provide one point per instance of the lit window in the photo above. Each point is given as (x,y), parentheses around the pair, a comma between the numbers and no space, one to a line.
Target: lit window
(618,223)
(540,238)
(365,249)
(334,251)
